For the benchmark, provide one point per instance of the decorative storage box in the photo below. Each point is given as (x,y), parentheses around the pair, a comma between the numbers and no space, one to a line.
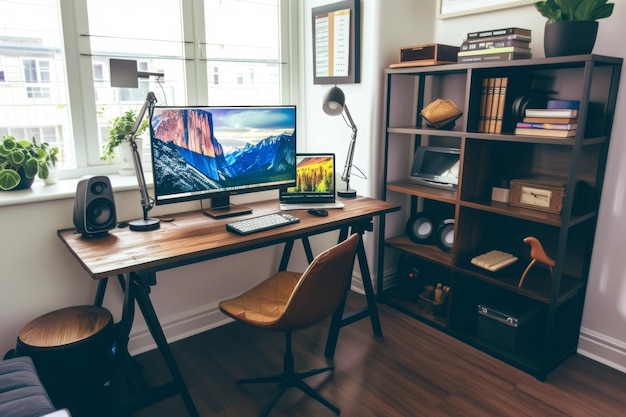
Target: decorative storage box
(507,327)
(429,54)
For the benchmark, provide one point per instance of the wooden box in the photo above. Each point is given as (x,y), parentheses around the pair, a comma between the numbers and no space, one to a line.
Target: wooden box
(429,54)
(546,193)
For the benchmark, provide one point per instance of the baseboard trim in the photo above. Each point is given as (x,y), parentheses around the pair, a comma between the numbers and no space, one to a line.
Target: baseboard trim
(177,327)
(603,349)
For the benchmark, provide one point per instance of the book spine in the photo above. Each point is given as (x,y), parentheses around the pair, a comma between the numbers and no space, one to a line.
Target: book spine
(564,113)
(499,32)
(507,56)
(501,104)
(552,126)
(483,105)
(488,107)
(563,104)
(493,114)
(520,38)
(471,46)
(494,51)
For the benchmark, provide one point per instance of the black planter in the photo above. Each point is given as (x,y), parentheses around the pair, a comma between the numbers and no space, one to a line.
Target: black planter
(574,37)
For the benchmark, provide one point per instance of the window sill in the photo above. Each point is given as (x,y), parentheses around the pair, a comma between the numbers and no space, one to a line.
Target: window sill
(64,189)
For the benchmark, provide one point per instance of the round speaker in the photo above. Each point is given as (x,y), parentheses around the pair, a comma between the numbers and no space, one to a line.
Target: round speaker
(445,235)
(101,213)
(420,228)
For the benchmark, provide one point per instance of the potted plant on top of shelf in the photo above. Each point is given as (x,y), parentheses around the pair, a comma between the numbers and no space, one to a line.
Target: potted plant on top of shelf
(22,160)
(572,25)
(121,126)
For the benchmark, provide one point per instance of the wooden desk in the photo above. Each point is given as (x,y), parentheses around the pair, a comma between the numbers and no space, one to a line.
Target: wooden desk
(135,257)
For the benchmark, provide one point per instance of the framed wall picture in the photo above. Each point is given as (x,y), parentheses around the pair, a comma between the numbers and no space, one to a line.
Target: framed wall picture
(337,43)
(454,8)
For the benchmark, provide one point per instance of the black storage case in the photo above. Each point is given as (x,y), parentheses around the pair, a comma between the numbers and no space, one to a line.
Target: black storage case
(508,327)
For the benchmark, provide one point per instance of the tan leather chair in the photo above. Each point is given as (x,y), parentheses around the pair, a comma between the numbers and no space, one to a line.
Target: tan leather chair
(289,301)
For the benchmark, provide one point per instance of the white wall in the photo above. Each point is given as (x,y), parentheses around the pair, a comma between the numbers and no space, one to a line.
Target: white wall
(39,275)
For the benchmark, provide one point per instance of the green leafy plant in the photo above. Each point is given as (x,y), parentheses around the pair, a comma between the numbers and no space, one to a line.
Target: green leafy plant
(121,126)
(24,159)
(562,10)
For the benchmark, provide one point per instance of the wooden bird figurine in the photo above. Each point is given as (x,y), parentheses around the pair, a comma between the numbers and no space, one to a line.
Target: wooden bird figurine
(537,254)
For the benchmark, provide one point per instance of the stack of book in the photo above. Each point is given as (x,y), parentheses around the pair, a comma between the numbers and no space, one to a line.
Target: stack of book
(492,104)
(559,119)
(496,45)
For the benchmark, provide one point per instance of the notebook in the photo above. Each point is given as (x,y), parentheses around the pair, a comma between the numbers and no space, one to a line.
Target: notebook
(315,184)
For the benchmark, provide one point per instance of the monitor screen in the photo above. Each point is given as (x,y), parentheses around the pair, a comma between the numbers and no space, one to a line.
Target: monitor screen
(214,152)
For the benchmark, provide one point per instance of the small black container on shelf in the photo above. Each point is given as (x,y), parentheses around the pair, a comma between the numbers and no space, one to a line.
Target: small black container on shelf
(509,327)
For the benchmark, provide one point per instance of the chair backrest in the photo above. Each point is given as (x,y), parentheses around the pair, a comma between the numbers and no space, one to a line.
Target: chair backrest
(321,287)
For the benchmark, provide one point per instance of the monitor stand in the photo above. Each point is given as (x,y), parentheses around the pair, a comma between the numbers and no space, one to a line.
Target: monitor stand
(221,208)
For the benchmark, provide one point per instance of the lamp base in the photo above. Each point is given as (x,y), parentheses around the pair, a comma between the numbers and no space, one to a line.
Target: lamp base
(349,193)
(143,225)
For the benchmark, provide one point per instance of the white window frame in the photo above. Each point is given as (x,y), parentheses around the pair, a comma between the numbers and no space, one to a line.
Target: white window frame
(82,94)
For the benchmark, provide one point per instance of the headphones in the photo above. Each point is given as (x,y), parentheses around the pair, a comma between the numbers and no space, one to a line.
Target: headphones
(421,229)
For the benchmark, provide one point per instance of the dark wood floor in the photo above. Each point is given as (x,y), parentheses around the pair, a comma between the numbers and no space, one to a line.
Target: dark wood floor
(413,371)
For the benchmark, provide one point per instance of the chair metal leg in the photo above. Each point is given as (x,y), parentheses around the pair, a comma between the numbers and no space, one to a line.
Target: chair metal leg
(289,378)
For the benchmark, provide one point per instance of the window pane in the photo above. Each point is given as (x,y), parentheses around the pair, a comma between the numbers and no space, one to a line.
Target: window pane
(139,35)
(34,96)
(243,55)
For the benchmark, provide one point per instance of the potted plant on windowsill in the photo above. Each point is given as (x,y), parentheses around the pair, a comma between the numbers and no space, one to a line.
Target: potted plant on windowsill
(572,25)
(121,126)
(22,160)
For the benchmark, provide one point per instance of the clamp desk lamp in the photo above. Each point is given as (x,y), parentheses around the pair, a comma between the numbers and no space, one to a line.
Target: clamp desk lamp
(334,105)
(124,74)
(146,223)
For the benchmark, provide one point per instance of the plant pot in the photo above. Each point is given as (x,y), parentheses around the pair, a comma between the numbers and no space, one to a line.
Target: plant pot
(573,37)
(25,183)
(126,156)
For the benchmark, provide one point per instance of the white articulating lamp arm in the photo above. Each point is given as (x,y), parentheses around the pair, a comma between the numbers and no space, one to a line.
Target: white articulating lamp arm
(146,201)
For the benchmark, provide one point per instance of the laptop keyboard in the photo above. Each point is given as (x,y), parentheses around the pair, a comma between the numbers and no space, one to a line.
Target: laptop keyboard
(307,206)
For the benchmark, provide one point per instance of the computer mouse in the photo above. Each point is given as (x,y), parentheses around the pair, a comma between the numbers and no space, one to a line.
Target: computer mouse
(319,212)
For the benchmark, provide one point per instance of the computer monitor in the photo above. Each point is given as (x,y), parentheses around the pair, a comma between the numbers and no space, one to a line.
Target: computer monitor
(215,152)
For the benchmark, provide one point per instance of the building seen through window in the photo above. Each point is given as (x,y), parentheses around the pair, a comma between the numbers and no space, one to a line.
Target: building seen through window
(232,57)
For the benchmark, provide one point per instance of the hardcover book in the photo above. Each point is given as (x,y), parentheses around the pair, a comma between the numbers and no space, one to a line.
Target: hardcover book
(545,132)
(470,46)
(553,126)
(494,51)
(504,56)
(499,32)
(499,39)
(560,120)
(563,113)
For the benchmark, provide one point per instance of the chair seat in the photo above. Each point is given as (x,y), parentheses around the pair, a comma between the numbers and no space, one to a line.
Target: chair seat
(264,304)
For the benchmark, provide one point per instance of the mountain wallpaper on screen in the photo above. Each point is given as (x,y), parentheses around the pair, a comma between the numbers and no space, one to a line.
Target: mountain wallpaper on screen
(187,155)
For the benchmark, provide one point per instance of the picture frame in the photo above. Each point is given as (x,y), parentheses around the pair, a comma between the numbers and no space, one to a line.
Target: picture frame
(337,43)
(454,8)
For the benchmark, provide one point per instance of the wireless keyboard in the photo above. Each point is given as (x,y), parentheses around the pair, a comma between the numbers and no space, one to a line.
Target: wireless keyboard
(260,223)
(494,260)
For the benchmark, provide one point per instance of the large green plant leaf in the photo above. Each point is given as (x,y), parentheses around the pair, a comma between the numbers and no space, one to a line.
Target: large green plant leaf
(31,167)
(9,179)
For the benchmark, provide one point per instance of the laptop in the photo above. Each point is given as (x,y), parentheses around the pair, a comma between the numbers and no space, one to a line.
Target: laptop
(315,184)
(436,167)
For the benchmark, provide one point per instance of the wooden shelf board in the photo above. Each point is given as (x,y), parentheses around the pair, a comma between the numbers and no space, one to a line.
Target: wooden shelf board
(430,253)
(538,216)
(411,188)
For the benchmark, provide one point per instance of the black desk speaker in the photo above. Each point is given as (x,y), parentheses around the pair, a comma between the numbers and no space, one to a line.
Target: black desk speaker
(94,207)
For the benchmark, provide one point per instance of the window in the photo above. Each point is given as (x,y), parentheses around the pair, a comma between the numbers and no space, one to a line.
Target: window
(36,72)
(217,60)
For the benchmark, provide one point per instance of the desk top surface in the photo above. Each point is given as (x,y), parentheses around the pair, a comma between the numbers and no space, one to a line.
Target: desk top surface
(193,237)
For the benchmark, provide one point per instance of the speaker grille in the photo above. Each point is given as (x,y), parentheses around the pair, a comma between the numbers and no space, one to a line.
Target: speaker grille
(100,214)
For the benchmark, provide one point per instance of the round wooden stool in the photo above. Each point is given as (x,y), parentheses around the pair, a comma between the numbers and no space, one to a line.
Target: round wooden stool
(71,349)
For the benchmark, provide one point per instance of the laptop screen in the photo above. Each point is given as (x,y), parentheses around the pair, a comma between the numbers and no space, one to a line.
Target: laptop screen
(315,180)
